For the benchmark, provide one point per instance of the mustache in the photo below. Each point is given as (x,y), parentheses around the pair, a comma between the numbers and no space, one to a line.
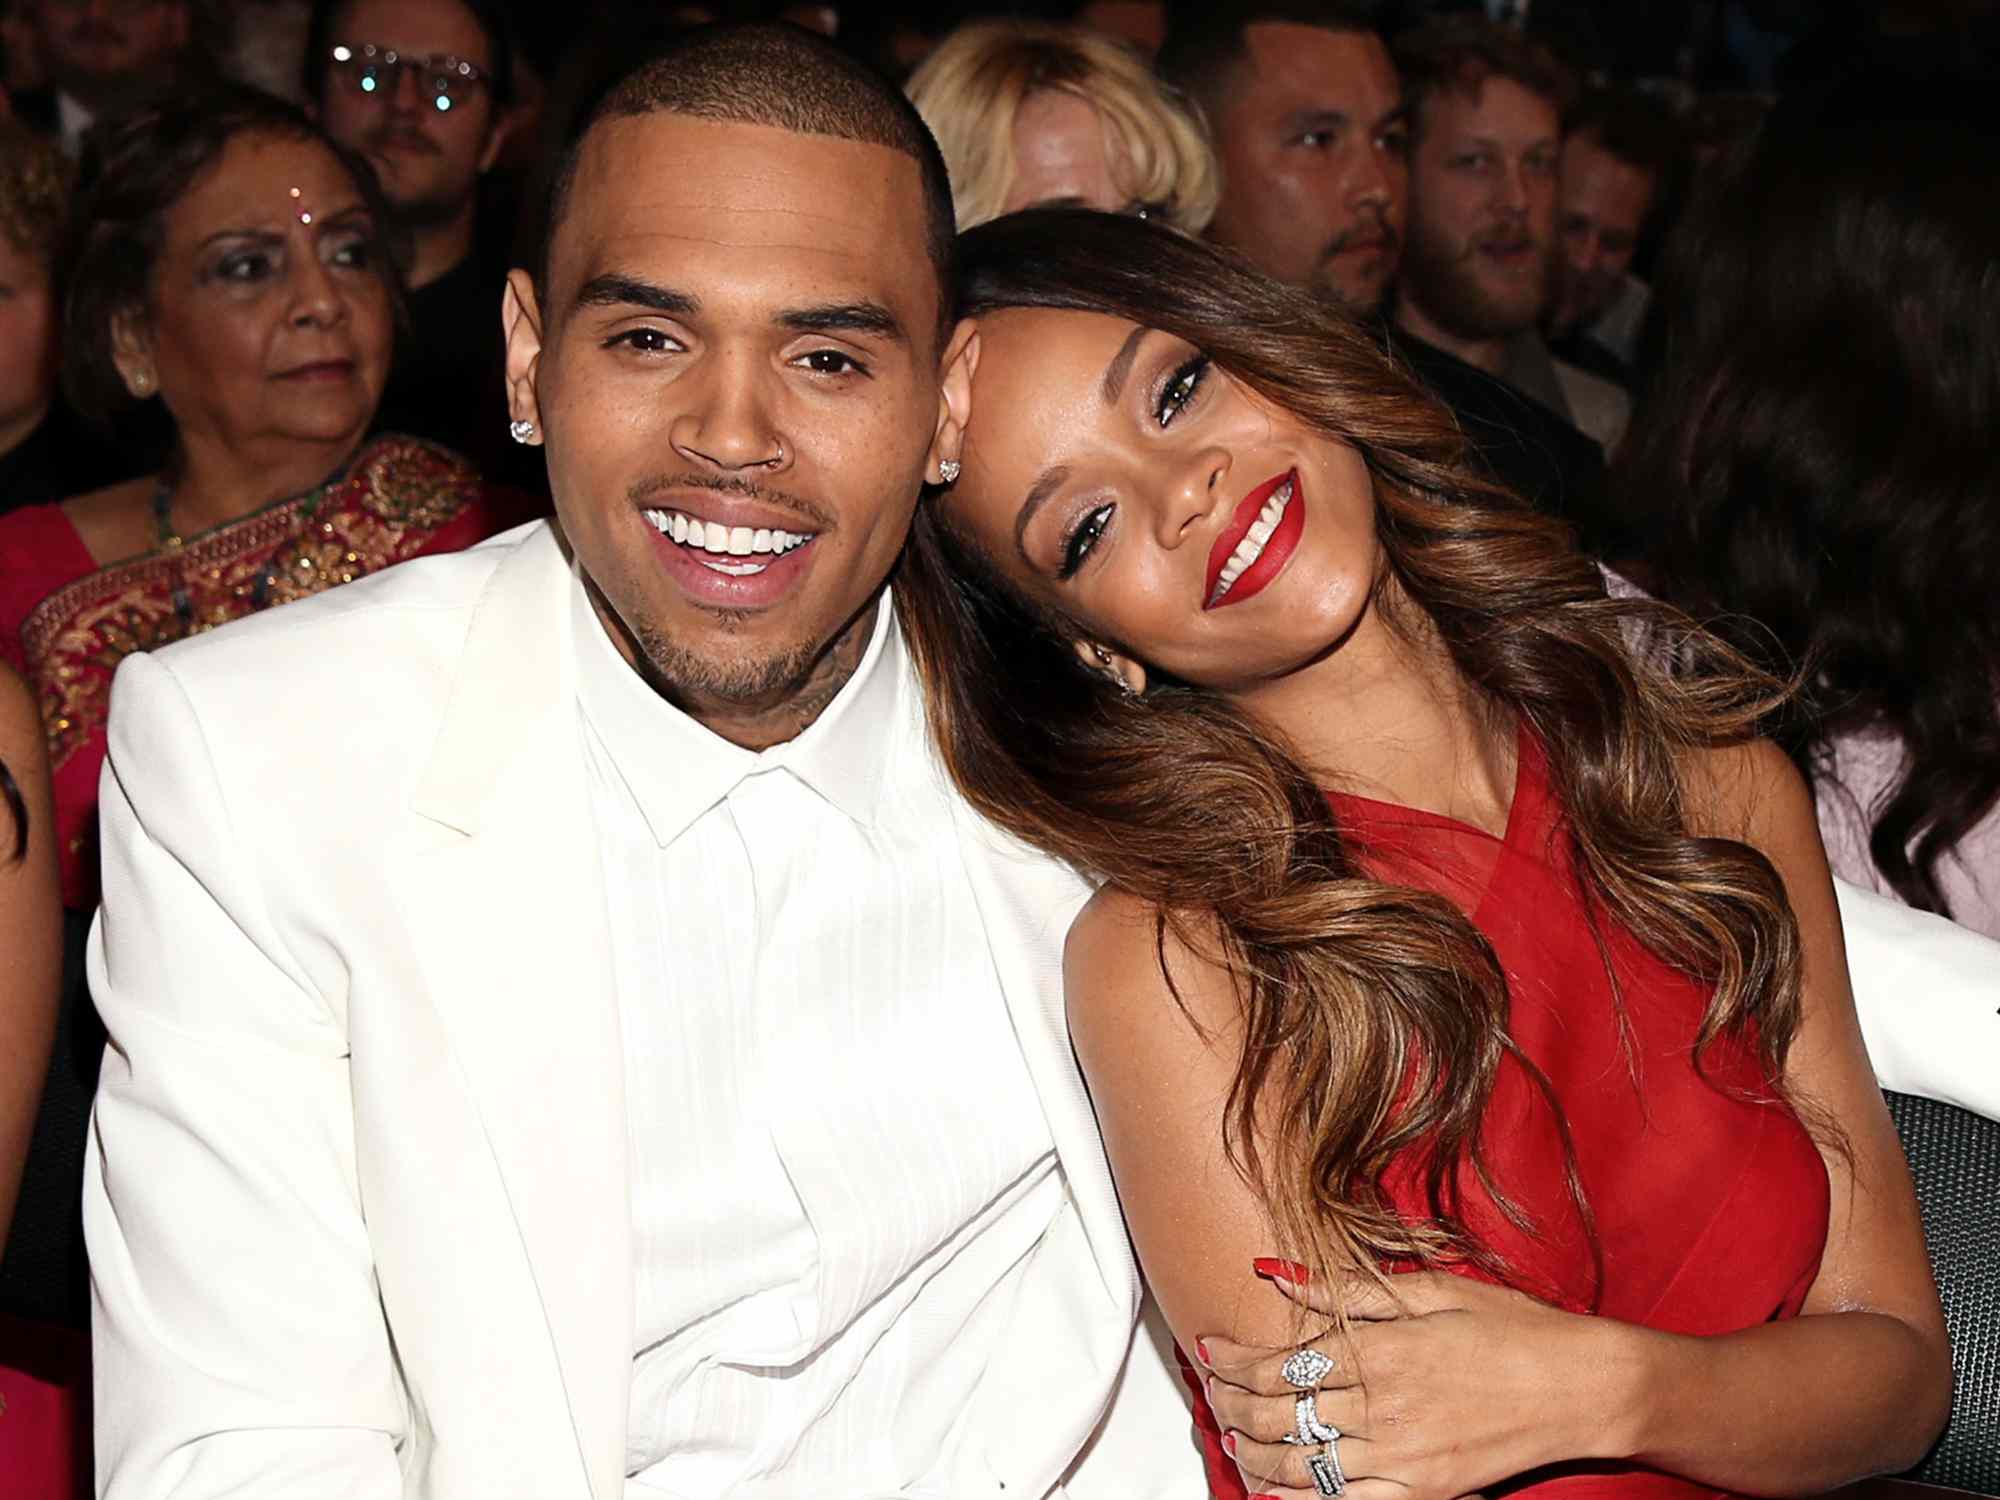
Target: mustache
(810,511)
(1363,236)
(399,135)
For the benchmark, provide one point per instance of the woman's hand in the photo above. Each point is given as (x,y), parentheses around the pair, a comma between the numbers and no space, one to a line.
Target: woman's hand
(1450,1386)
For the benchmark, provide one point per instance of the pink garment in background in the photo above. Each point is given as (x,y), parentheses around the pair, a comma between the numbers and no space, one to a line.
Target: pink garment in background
(1864,770)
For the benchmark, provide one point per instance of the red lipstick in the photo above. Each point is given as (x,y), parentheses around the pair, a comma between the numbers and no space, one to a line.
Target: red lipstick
(1278,547)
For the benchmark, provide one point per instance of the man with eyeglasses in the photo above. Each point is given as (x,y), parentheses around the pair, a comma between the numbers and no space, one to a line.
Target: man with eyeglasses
(423,89)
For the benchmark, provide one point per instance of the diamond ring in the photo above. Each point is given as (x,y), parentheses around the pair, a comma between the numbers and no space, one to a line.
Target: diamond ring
(1304,1370)
(1311,1429)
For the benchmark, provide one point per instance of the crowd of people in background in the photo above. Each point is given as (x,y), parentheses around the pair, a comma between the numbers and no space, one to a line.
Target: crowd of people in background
(1718,294)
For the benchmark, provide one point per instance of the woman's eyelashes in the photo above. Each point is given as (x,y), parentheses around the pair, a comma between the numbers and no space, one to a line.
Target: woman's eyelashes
(1082,539)
(1180,390)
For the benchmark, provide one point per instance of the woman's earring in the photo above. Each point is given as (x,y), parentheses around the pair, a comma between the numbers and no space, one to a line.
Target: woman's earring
(1104,661)
(142,383)
(521,431)
(947,471)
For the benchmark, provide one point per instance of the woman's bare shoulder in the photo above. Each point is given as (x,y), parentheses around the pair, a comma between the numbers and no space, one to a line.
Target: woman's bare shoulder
(1138,986)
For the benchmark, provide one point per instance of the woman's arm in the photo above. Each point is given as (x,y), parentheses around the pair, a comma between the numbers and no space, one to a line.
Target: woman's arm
(1859,1384)
(1160,1088)
(30,939)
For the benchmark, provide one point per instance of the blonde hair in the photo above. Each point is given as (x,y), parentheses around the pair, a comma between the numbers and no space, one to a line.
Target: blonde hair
(971,88)
(34,192)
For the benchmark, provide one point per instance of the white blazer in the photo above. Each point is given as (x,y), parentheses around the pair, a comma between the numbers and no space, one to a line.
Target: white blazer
(357,1204)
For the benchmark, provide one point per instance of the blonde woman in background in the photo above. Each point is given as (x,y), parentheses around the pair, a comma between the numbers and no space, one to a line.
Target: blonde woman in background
(1031,115)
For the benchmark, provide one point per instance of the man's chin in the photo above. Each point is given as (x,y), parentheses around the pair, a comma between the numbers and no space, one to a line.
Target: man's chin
(1361,295)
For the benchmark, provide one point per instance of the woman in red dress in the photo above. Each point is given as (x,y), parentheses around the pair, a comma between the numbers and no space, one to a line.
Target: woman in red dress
(1465,1001)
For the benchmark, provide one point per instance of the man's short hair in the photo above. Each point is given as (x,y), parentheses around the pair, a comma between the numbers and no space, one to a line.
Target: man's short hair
(325,19)
(1458,53)
(1631,126)
(1204,43)
(767,74)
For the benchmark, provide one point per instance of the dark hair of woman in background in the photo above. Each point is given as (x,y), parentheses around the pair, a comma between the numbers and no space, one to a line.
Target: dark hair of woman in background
(1438,929)
(1816,466)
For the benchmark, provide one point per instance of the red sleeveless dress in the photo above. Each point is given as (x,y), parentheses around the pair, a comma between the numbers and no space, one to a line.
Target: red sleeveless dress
(1711,1209)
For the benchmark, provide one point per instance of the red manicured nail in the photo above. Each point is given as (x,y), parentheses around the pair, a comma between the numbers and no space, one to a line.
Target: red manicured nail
(1229,1443)
(1281,1270)
(1201,1351)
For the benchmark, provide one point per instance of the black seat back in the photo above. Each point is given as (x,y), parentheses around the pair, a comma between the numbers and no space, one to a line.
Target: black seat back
(1955,1158)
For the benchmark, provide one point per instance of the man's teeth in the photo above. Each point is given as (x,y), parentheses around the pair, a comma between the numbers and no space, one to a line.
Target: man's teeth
(1252,546)
(720,541)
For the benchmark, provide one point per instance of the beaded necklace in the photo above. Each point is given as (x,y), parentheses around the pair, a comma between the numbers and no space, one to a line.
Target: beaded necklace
(171,543)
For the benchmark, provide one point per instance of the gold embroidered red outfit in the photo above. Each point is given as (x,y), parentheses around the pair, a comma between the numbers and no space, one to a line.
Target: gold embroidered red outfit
(67,623)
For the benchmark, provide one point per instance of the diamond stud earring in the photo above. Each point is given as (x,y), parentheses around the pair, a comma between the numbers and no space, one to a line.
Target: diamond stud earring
(948,471)
(521,431)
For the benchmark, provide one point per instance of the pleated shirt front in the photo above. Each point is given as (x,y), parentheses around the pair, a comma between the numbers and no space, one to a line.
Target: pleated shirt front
(839,1166)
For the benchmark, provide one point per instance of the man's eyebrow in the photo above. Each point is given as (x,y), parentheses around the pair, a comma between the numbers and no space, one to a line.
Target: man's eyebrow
(629,291)
(1051,480)
(845,317)
(1316,119)
(1120,368)
(1400,115)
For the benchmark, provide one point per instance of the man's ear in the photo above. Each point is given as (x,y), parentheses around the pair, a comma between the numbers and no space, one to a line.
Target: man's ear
(498,131)
(956,366)
(1123,672)
(521,323)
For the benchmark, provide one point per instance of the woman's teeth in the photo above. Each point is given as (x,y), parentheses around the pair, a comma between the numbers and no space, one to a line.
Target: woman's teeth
(1252,546)
(720,541)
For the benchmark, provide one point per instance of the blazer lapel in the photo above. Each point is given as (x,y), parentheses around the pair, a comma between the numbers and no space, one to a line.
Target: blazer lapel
(505,896)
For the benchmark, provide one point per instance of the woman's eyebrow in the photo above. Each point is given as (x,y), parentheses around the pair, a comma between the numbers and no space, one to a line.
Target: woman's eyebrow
(1050,481)
(1120,368)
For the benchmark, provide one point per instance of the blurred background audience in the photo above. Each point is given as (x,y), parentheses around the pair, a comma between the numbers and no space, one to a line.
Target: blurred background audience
(1309,125)
(424,89)
(1038,116)
(1620,158)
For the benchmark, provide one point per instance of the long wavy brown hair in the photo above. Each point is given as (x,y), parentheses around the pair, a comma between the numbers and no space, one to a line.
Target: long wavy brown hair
(1375,1016)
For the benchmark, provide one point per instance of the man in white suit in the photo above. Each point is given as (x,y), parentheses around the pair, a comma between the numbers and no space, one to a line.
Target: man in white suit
(569,1041)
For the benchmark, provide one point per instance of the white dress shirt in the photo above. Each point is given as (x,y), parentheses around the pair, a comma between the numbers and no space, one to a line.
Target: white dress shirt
(839,1164)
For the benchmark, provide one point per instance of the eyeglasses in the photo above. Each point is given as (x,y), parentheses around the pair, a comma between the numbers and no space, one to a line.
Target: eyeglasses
(376,72)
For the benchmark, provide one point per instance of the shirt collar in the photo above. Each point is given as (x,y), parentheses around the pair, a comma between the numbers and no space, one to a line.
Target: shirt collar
(677,770)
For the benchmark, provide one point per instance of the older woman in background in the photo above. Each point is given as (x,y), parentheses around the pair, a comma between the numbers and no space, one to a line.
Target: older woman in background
(229,260)
(1032,115)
